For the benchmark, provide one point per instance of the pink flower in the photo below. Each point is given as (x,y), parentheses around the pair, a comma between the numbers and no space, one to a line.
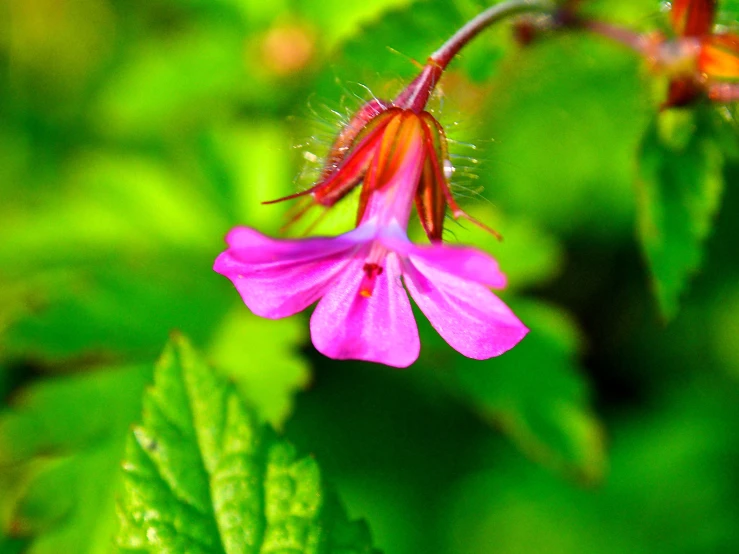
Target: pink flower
(361,277)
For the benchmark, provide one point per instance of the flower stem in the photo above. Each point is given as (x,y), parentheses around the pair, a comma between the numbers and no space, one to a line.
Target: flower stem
(631,39)
(483,20)
(416,95)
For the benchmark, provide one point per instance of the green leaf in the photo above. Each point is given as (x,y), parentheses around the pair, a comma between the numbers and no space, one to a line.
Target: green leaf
(11,546)
(148,93)
(340,20)
(134,261)
(536,394)
(559,154)
(728,13)
(669,487)
(245,344)
(61,441)
(202,475)
(107,268)
(244,164)
(680,184)
(111,310)
(527,254)
(107,271)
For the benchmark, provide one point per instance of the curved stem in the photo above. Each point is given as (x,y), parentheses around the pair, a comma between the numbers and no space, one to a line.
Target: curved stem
(631,39)
(416,95)
(483,20)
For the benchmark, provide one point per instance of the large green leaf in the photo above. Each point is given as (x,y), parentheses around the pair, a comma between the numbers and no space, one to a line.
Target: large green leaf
(115,311)
(669,491)
(61,441)
(535,392)
(203,475)
(128,255)
(108,271)
(560,154)
(680,184)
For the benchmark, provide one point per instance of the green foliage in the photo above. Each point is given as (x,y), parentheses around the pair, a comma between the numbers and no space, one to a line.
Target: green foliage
(728,13)
(535,393)
(270,392)
(547,409)
(680,185)
(544,257)
(202,475)
(561,154)
(408,32)
(134,261)
(136,133)
(668,491)
(61,442)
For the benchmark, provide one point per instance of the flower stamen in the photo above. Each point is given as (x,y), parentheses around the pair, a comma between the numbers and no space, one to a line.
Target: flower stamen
(371,272)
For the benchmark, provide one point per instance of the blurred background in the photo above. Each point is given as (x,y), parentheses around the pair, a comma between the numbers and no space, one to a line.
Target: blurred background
(134,134)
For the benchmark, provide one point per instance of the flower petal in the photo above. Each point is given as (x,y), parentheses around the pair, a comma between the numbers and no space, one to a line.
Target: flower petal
(467,315)
(252,247)
(379,328)
(465,262)
(278,278)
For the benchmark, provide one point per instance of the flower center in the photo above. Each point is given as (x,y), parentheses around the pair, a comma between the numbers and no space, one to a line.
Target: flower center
(372,268)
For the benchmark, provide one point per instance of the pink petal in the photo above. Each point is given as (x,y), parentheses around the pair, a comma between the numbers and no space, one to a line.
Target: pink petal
(467,315)
(379,328)
(278,278)
(466,263)
(251,247)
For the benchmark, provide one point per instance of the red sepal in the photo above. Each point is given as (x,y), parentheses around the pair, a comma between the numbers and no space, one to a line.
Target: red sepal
(437,153)
(351,170)
(693,18)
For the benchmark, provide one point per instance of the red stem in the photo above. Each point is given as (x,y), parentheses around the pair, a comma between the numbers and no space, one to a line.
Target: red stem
(416,95)
(635,41)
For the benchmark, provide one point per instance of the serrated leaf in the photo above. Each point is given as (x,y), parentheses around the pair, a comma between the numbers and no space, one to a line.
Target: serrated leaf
(60,445)
(680,183)
(203,475)
(134,260)
(536,394)
(108,270)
